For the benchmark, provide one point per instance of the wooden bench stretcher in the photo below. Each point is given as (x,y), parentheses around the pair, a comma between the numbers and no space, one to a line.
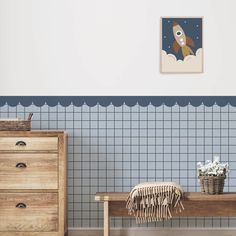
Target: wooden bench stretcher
(195,205)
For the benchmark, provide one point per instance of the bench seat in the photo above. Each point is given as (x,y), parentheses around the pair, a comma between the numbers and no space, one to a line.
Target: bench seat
(195,204)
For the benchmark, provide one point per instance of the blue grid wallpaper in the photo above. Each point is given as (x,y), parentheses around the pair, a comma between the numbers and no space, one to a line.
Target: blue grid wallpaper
(114,148)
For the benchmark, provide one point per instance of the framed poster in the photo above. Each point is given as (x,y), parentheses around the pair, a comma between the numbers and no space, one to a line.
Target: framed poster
(181,45)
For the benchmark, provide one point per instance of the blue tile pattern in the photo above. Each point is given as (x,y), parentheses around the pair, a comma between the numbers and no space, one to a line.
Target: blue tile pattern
(113,148)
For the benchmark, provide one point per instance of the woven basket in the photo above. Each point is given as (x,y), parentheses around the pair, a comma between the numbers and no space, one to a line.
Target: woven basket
(212,184)
(16,125)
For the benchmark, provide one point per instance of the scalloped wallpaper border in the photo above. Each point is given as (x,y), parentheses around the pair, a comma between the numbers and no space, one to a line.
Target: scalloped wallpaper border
(118,100)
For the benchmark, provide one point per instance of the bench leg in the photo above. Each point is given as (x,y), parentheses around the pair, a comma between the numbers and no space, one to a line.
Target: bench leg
(106,219)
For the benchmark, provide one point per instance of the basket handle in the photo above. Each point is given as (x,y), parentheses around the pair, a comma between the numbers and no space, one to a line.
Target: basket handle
(30,116)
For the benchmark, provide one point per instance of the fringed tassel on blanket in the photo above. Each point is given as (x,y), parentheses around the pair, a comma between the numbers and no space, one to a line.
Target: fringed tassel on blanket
(154,201)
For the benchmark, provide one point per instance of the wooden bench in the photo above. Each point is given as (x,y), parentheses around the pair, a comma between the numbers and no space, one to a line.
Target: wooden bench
(195,204)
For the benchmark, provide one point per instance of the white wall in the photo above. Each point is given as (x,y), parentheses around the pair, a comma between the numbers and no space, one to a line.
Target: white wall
(109,47)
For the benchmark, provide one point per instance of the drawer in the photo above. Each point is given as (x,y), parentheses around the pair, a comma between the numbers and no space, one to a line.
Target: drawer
(28,143)
(28,212)
(28,170)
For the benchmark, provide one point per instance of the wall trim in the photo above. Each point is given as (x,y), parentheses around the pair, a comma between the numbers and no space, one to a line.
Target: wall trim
(154,231)
(118,100)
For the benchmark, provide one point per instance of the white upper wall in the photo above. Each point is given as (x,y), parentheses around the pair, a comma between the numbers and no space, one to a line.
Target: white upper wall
(109,47)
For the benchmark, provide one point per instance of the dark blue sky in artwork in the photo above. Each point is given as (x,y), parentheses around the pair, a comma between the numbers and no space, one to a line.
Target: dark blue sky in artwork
(192,28)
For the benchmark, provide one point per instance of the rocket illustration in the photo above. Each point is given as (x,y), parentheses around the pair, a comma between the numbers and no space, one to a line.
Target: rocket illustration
(182,41)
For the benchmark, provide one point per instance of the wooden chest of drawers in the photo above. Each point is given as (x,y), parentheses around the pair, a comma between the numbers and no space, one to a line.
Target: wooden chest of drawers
(33,183)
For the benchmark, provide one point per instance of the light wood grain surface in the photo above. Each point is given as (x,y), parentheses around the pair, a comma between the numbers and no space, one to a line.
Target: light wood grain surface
(34,175)
(32,133)
(195,205)
(31,143)
(41,171)
(189,196)
(40,214)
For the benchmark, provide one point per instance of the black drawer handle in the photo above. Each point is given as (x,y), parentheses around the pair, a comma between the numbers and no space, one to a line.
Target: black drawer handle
(21,165)
(21,205)
(20,143)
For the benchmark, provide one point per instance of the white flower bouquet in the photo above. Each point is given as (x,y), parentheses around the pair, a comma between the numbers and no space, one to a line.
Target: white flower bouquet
(212,175)
(213,168)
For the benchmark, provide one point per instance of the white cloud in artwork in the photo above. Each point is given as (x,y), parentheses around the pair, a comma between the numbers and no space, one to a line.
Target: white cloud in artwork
(190,64)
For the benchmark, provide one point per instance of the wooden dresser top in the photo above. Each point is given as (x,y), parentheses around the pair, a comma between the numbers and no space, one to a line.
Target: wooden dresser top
(35,133)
